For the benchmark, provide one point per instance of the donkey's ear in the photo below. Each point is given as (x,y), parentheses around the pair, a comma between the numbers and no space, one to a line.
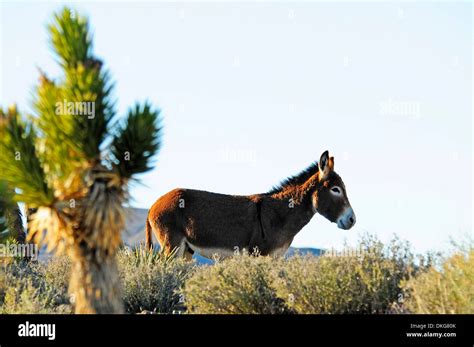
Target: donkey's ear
(326,164)
(331,163)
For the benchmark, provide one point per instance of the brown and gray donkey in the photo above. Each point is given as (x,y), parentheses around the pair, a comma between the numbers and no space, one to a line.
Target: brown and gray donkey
(187,221)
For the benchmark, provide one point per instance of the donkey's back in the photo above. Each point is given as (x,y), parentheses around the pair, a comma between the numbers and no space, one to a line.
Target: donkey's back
(191,220)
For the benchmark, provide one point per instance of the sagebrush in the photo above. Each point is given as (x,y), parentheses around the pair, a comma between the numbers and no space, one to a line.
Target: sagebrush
(362,280)
(377,279)
(449,289)
(152,281)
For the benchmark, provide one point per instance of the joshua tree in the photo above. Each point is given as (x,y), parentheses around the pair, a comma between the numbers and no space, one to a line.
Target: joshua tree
(72,166)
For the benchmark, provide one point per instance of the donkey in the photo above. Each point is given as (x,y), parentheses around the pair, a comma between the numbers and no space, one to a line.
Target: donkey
(187,221)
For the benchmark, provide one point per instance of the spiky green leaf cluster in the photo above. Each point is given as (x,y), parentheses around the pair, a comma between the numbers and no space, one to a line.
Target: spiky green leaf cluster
(77,109)
(71,38)
(19,163)
(88,84)
(136,141)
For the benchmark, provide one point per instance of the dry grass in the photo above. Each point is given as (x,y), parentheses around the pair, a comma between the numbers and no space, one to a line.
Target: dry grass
(34,288)
(449,289)
(242,284)
(366,281)
(152,281)
(378,279)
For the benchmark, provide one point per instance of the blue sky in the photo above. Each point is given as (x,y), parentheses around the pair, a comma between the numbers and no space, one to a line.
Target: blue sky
(251,93)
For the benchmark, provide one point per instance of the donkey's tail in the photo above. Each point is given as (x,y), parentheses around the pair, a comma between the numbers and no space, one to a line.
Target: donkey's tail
(148,235)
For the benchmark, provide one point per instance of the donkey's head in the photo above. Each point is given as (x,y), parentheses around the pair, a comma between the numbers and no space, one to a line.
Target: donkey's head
(330,197)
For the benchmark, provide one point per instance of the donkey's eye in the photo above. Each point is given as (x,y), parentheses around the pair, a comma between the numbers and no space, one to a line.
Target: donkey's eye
(336,190)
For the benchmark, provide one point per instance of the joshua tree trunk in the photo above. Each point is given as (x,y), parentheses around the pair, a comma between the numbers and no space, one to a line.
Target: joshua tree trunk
(95,282)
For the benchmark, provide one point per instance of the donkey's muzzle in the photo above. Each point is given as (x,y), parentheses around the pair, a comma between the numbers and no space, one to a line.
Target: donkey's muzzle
(347,219)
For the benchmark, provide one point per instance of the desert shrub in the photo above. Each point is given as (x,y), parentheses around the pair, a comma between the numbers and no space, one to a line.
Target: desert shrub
(56,273)
(151,281)
(366,279)
(24,289)
(242,284)
(316,285)
(448,289)
(372,278)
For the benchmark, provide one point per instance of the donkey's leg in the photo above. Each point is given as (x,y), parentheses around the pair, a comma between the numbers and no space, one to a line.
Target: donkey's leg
(174,245)
(170,239)
(181,249)
(184,251)
(188,256)
(188,253)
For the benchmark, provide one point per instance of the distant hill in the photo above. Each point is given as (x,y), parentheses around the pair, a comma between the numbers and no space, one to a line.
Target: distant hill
(135,233)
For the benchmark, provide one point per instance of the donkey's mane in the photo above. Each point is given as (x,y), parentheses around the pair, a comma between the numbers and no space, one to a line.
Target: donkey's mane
(295,180)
